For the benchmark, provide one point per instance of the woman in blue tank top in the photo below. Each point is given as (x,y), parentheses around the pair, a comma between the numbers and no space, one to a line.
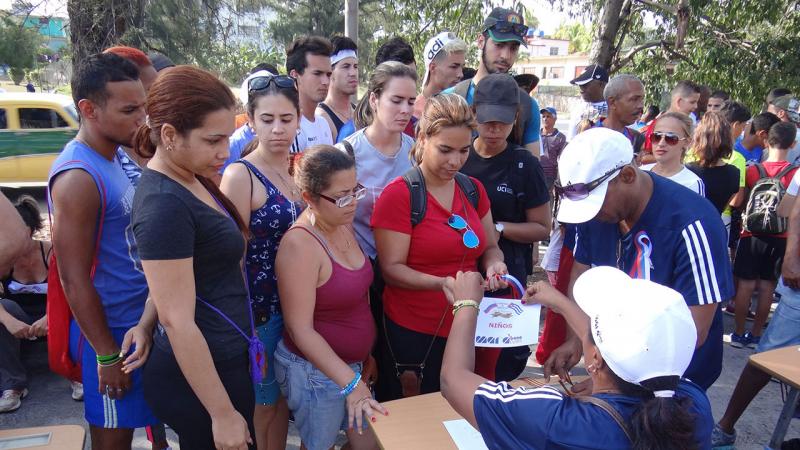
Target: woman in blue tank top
(261,188)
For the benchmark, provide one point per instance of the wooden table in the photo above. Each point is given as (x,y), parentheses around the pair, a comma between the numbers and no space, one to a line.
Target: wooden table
(783,364)
(61,437)
(416,422)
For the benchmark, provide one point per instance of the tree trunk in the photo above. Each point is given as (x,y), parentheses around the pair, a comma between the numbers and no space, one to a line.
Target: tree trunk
(98,24)
(351,19)
(603,47)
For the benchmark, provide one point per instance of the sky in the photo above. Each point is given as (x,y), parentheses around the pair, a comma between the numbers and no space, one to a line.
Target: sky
(56,8)
(549,17)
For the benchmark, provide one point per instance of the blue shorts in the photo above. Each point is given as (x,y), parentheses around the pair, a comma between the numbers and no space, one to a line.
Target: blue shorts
(319,409)
(130,411)
(784,327)
(268,391)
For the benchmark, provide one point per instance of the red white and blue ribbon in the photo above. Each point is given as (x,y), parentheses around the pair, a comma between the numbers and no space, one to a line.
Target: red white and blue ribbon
(643,265)
(516,287)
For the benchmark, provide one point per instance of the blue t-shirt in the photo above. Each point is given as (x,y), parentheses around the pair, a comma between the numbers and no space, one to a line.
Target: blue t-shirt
(118,279)
(533,129)
(347,129)
(679,242)
(237,142)
(751,156)
(544,418)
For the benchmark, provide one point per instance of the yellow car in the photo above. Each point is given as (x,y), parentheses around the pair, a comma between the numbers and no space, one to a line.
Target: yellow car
(34,127)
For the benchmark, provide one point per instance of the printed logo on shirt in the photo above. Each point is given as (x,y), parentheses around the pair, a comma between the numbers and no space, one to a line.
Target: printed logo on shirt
(505,188)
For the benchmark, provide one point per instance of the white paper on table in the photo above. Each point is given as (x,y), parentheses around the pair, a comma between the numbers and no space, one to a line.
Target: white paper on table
(506,323)
(464,435)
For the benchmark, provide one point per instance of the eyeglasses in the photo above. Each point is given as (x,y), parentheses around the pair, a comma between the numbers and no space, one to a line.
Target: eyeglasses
(669,138)
(342,202)
(509,27)
(468,237)
(580,191)
(262,83)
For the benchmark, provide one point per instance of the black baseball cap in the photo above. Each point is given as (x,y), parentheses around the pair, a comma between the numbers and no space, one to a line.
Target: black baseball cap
(160,62)
(505,25)
(496,99)
(591,73)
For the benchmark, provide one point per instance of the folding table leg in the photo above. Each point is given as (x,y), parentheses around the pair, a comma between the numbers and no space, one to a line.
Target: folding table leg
(783,421)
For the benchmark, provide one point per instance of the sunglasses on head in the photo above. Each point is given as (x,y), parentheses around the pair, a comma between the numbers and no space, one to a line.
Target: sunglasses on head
(669,138)
(468,237)
(344,201)
(262,83)
(580,191)
(510,27)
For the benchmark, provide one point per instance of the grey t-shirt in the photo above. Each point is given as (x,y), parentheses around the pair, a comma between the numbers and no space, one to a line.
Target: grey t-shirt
(374,171)
(169,222)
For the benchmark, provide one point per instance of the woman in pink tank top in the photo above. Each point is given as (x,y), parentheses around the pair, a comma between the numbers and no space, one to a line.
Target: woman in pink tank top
(323,284)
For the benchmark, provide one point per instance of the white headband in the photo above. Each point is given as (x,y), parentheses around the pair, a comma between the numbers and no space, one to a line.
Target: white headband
(664,394)
(342,54)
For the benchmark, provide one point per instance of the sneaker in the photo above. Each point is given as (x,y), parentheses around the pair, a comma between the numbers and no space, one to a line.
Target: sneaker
(754,340)
(721,440)
(740,341)
(730,310)
(77,391)
(12,400)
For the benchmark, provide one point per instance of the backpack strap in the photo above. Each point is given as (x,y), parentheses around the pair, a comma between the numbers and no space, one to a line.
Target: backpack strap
(518,176)
(416,188)
(785,170)
(762,172)
(468,187)
(605,406)
(348,147)
(462,88)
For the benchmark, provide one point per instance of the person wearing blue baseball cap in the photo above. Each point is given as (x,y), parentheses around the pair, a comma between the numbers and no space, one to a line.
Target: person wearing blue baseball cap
(553,142)
(502,35)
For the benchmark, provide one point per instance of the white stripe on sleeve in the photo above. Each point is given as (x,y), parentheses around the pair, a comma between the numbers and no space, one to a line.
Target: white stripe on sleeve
(702,263)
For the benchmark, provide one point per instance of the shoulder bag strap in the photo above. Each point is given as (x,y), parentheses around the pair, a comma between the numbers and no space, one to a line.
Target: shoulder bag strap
(605,406)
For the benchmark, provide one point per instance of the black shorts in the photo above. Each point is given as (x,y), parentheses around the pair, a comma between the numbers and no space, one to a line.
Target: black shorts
(759,258)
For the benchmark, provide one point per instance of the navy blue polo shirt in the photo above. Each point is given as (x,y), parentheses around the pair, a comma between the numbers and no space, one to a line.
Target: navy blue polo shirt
(679,242)
(545,418)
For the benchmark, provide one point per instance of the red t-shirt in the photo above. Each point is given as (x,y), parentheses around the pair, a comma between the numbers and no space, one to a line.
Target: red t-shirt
(772,169)
(435,249)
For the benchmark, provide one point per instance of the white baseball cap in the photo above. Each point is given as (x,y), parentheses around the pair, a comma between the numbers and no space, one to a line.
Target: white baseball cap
(244,94)
(435,45)
(644,330)
(590,156)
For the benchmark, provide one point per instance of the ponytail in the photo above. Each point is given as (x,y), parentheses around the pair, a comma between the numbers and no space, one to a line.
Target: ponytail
(143,143)
(28,209)
(363,115)
(662,421)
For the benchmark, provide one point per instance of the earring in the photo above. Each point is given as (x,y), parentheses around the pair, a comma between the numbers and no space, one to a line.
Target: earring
(311,217)
(170,148)
(591,368)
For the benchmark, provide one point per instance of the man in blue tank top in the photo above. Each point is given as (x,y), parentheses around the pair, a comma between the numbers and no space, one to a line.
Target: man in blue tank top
(99,267)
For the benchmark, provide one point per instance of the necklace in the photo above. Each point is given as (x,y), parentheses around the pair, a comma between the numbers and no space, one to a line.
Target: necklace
(290,186)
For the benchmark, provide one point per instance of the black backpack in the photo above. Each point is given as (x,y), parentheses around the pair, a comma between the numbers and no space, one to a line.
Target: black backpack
(419,198)
(761,213)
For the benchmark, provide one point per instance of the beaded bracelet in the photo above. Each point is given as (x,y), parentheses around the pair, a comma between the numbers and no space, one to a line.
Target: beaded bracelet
(464,304)
(351,386)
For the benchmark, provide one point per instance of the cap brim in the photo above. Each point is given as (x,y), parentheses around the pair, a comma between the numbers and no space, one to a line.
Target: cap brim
(506,37)
(495,113)
(580,211)
(580,81)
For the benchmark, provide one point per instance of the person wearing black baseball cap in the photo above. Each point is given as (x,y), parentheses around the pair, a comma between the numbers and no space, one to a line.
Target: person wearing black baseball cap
(503,32)
(591,82)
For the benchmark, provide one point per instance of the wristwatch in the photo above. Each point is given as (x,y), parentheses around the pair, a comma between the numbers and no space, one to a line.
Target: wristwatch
(499,227)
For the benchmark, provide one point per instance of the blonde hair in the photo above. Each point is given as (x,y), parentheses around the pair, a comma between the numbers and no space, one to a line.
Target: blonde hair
(686,122)
(712,139)
(441,111)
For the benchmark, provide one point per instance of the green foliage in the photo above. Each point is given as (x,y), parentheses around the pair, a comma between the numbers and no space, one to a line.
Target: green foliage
(305,17)
(578,35)
(19,46)
(233,63)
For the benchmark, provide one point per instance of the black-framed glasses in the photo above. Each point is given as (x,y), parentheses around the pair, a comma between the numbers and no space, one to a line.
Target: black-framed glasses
(468,236)
(669,138)
(509,27)
(342,202)
(580,191)
(261,83)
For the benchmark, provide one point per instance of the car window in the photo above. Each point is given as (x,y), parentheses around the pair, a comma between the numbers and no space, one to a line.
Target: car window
(3,119)
(37,118)
(70,109)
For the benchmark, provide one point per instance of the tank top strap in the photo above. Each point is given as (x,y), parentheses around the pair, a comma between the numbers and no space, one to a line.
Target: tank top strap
(319,239)
(261,177)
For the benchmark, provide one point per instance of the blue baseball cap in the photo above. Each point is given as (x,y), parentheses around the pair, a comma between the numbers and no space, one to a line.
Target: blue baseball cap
(550,110)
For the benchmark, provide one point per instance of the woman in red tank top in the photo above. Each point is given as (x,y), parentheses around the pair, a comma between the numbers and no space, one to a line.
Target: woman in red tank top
(323,284)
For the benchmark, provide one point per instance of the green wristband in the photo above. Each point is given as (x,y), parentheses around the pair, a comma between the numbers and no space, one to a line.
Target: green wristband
(107,359)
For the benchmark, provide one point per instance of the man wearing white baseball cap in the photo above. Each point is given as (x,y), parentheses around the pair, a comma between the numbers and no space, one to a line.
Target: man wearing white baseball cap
(635,352)
(444,57)
(649,227)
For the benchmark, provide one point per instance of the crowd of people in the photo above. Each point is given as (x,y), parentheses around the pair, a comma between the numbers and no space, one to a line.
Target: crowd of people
(313,258)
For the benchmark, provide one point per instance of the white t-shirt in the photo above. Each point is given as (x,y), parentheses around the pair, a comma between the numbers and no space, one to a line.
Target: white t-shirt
(585,110)
(794,185)
(374,171)
(685,178)
(551,258)
(312,133)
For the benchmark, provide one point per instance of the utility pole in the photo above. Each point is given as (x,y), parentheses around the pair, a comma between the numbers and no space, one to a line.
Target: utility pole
(351,19)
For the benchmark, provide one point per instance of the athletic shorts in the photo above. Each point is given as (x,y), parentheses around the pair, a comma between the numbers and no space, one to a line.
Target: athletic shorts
(270,333)
(130,411)
(759,258)
(784,326)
